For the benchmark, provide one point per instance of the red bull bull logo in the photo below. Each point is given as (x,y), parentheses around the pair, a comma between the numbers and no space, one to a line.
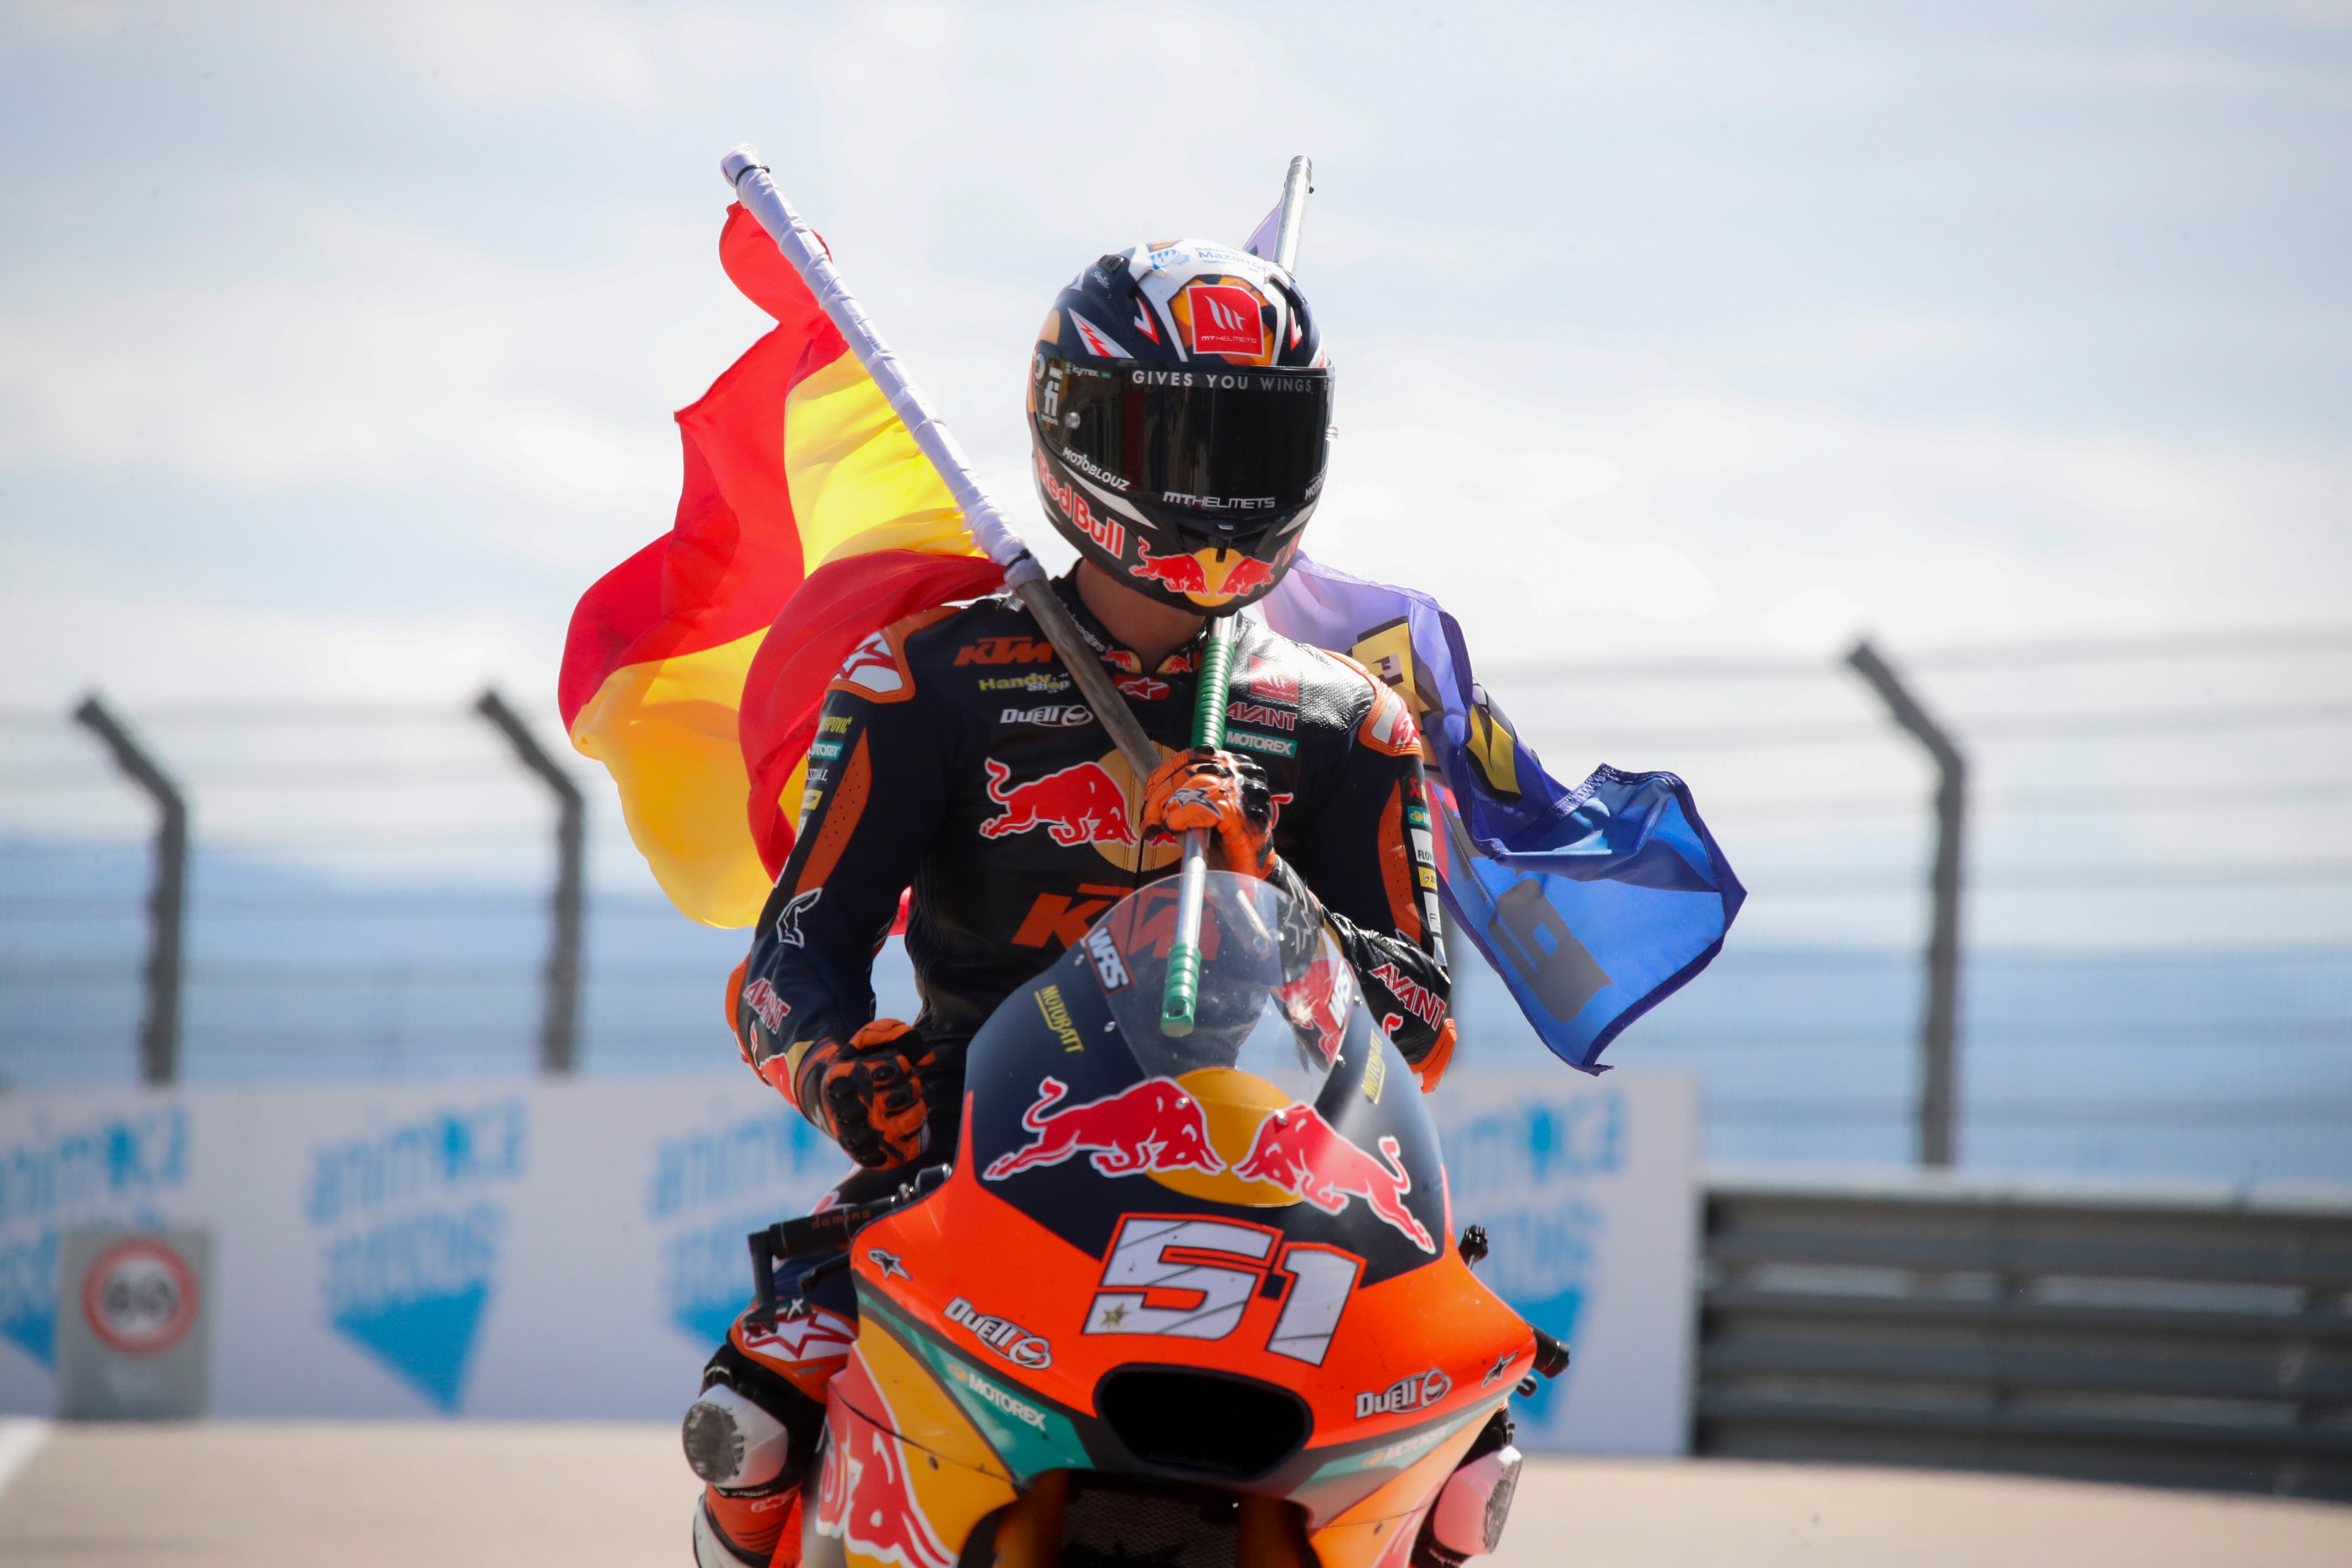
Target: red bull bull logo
(1297,1149)
(1205,576)
(1317,1003)
(1157,1126)
(1151,1126)
(1081,804)
(866,1501)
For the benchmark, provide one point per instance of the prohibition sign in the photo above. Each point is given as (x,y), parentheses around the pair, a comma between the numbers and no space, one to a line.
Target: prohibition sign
(139,1296)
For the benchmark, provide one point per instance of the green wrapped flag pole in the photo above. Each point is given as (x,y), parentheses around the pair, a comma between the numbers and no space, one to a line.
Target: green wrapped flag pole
(1177,1002)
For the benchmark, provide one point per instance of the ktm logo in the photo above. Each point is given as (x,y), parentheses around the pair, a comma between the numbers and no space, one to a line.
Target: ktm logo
(1005,650)
(1062,920)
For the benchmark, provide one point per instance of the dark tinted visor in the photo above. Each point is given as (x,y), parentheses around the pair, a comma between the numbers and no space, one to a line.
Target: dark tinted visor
(1229,442)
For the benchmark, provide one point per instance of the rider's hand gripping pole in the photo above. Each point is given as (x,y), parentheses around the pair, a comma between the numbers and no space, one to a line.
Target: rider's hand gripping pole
(1177,1002)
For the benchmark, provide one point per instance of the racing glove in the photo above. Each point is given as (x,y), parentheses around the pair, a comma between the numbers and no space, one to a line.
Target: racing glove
(1220,790)
(867,1095)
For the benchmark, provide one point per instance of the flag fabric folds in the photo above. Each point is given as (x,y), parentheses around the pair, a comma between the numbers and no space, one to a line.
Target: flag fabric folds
(1593,904)
(808,521)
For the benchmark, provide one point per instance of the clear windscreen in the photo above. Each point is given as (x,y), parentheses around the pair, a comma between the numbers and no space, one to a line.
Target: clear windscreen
(1275,992)
(1228,440)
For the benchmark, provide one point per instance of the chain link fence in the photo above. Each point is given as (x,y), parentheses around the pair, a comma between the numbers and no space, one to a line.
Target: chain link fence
(2157,902)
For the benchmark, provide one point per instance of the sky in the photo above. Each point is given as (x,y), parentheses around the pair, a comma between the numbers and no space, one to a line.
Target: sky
(339,345)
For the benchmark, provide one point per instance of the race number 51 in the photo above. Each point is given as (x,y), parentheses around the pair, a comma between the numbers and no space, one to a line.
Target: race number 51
(1193,1278)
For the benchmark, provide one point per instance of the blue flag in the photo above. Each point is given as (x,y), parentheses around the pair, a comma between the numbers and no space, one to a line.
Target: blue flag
(1593,904)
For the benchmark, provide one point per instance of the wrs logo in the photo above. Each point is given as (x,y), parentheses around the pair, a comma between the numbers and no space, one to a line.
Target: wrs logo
(1224,320)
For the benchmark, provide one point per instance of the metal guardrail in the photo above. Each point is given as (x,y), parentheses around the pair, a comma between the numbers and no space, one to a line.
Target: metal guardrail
(2186,1336)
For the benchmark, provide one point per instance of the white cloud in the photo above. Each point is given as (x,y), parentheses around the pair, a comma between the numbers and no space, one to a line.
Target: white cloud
(1811,620)
(572,459)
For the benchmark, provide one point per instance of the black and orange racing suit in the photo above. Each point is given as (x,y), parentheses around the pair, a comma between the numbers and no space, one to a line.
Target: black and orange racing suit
(954,756)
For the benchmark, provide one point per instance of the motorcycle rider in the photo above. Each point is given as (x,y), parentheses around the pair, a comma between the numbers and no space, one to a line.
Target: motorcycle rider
(1179,419)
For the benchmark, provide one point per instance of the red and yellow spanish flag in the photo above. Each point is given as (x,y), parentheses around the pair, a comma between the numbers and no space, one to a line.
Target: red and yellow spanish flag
(809,521)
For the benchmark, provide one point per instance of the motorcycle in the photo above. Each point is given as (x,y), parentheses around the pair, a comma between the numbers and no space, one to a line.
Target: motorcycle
(1180,1300)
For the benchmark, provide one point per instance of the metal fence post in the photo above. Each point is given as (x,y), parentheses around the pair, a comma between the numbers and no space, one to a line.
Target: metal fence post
(1938,1087)
(558,1042)
(167,895)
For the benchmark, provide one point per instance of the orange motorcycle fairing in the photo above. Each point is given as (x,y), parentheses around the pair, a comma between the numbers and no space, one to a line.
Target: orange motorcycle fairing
(984,1321)
(1205,1287)
(879,1501)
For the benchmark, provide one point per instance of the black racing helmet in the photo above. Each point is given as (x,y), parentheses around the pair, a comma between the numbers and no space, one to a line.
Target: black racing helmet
(1179,406)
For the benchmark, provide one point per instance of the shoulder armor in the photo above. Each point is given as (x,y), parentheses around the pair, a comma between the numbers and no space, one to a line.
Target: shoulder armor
(880,668)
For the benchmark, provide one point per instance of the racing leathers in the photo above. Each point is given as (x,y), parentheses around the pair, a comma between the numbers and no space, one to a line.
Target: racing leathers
(954,756)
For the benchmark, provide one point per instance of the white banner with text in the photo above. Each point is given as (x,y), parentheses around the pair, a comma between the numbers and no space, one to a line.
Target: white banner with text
(544,1251)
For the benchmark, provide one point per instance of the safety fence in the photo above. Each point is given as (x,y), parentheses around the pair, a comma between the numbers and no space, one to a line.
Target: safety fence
(2153,975)
(2154,947)
(2181,1338)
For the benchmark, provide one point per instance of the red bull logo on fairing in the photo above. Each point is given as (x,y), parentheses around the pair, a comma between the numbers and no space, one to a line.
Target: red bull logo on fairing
(867,1500)
(1081,804)
(1158,1126)
(1153,1125)
(1297,1149)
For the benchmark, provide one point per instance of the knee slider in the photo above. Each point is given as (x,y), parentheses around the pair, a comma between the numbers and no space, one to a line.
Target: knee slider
(750,1431)
(731,1442)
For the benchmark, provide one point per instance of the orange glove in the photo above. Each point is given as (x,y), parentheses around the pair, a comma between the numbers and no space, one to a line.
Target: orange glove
(867,1095)
(1221,792)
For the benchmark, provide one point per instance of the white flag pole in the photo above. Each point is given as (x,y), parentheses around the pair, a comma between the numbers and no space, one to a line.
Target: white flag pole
(1022,575)
(1297,184)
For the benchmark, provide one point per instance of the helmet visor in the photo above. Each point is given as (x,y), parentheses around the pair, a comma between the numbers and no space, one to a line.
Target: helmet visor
(1231,444)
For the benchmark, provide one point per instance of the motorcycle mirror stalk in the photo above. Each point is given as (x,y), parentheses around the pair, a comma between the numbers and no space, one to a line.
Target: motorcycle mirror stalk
(829,1231)
(1552,1360)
